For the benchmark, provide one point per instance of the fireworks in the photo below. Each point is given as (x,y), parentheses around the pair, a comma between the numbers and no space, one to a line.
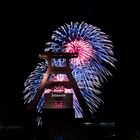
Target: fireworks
(94,50)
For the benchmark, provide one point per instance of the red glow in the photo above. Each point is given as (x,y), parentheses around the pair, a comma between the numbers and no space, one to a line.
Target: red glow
(84,50)
(59,78)
(58,89)
(58,104)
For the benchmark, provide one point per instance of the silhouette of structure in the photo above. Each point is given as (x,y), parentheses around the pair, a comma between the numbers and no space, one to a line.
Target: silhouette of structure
(71,83)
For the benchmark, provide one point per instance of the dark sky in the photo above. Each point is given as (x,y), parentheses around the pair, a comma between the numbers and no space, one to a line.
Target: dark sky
(26,27)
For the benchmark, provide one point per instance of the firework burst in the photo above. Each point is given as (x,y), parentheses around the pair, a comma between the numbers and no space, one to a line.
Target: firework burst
(94,50)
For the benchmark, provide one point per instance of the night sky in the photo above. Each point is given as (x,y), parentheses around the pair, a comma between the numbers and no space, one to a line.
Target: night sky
(28,26)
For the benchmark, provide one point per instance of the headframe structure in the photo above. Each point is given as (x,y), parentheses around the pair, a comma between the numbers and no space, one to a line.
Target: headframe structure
(45,83)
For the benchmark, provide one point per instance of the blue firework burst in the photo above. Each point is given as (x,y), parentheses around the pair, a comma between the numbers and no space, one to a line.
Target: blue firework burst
(94,50)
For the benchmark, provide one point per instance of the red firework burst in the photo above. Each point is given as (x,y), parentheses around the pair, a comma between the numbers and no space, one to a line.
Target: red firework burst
(84,50)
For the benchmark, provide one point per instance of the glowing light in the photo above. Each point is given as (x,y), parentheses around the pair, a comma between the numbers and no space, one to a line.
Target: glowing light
(58,78)
(84,50)
(58,89)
